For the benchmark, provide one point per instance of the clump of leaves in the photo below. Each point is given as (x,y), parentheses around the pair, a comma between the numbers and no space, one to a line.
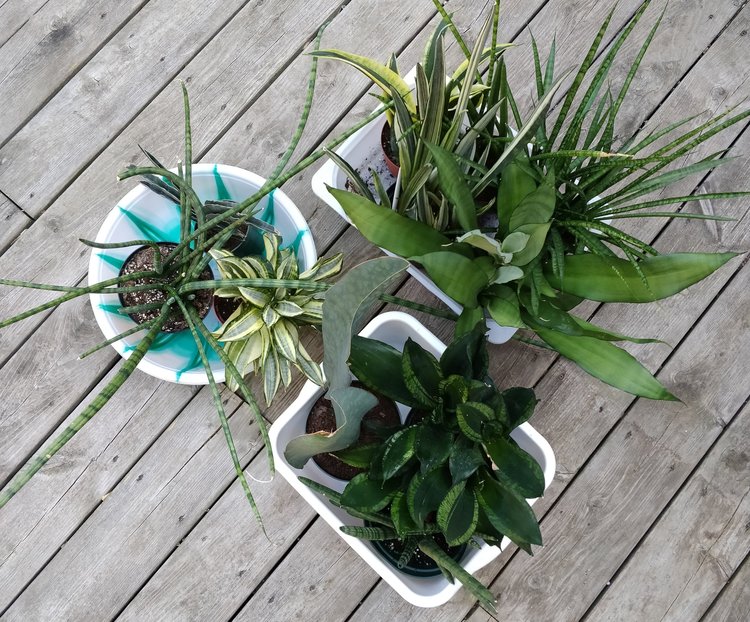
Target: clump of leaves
(429,123)
(262,335)
(558,182)
(453,467)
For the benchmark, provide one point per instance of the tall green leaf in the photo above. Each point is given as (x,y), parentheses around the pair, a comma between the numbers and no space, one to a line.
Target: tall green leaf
(385,228)
(607,362)
(611,279)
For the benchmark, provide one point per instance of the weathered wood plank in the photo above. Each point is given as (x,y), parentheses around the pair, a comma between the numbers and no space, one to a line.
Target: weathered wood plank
(12,222)
(697,545)
(33,404)
(308,585)
(26,418)
(52,506)
(733,605)
(106,94)
(167,491)
(49,48)
(14,14)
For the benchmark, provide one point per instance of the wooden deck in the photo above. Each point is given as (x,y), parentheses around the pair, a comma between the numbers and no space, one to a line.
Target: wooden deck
(140,517)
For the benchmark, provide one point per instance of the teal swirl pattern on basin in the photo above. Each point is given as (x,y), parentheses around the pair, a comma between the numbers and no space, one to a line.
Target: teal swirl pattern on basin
(141,214)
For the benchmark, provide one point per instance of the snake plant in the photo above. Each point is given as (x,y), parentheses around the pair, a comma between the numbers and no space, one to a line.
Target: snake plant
(262,333)
(175,279)
(451,470)
(558,183)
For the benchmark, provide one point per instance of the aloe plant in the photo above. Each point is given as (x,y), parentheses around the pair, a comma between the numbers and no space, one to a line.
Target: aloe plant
(558,182)
(452,468)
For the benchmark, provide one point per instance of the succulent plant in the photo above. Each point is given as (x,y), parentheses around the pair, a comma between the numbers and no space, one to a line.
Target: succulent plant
(452,468)
(262,335)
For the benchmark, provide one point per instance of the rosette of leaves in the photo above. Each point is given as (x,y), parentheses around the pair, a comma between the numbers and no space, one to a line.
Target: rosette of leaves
(453,468)
(562,180)
(262,335)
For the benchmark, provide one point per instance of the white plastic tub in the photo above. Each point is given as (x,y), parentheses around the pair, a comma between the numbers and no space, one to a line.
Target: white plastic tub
(361,150)
(142,214)
(392,328)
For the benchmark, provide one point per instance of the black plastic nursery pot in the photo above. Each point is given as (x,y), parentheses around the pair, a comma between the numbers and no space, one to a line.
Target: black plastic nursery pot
(391,157)
(420,565)
(142,260)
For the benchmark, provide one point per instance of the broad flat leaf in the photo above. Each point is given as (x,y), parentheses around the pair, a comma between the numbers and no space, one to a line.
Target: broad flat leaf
(350,405)
(607,335)
(256,297)
(399,449)
(520,404)
(344,308)
(454,187)
(611,279)
(502,304)
(426,492)
(471,418)
(506,274)
(457,276)
(243,326)
(286,338)
(469,318)
(458,514)
(515,184)
(509,513)
(607,362)
(433,446)
(378,366)
(367,495)
(402,520)
(537,236)
(536,208)
(421,373)
(398,234)
(467,356)
(465,459)
(517,468)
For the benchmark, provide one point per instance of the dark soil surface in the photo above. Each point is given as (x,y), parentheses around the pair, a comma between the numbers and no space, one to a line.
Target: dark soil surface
(142,260)
(323,418)
(392,549)
(224,307)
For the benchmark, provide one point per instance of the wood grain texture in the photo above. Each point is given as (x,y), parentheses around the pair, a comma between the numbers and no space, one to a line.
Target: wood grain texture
(733,605)
(14,14)
(165,492)
(12,222)
(697,545)
(34,403)
(49,48)
(49,509)
(106,94)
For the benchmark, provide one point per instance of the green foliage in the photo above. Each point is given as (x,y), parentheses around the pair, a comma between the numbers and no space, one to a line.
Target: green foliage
(261,336)
(557,185)
(344,310)
(429,475)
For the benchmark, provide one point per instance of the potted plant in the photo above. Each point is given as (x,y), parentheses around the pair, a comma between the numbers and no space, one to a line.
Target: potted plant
(174,256)
(558,183)
(457,470)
